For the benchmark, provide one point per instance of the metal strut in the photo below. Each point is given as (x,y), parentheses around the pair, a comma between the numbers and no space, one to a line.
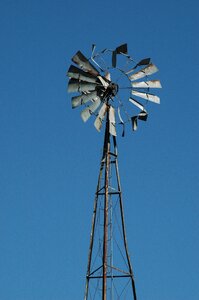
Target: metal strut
(103,271)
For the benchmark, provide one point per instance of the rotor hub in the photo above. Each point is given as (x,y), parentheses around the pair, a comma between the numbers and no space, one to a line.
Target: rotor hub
(111,91)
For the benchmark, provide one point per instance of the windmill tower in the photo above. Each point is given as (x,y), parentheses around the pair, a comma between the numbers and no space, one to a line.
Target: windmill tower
(104,82)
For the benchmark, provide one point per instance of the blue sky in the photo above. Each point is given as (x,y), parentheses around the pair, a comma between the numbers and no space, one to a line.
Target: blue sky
(50,159)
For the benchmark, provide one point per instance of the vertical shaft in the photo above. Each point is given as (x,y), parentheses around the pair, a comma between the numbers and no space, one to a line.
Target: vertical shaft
(106,205)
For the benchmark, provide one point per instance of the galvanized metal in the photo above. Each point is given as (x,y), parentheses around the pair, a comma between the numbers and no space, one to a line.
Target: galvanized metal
(143,116)
(100,117)
(79,74)
(147,96)
(112,129)
(84,63)
(134,123)
(142,62)
(84,98)
(75,85)
(136,103)
(147,84)
(149,70)
(88,111)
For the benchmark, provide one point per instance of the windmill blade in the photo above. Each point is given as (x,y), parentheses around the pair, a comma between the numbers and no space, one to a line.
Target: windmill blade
(93,57)
(150,97)
(149,70)
(112,128)
(143,116)
(99,120)
(121,49)
(75,85)
(147,84)
(76,73)
(84,98)
(84,63)
(104,82)
(108,76)
(119,115)
(134,123)
(143,62)
(121,121)
(114,59)
(88,111)
(93,49)
(136,103)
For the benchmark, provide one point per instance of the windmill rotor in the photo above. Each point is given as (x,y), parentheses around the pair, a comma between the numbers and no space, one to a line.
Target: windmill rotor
(92,79)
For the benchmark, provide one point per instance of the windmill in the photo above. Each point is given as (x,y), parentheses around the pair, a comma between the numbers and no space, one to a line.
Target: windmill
(109,85)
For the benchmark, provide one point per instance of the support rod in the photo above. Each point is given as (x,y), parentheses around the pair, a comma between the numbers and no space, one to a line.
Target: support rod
(123,222)
(92,233)
(106,205)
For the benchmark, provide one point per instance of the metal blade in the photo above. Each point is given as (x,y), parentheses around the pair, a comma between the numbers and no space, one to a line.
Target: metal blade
(79,74)
(144,62)
(147,96)
(84,63)
(143,116)
(134,123)
(119,115)
(136,103)
(121,121)
(100,117)
(112,128)
(82,99)
(147,84)
(108,76)
(93,49)
(105,83)
(114,59)
(80,86)
(88,111)
(121,49)
(149,70)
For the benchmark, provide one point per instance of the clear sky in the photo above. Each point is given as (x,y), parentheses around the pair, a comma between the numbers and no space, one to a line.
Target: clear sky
(49,158)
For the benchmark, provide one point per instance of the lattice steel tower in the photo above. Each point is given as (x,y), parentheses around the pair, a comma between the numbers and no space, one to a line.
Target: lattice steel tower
(103,90)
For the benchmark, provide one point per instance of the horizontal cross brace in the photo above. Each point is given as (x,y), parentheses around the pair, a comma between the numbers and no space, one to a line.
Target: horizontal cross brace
(110,193)
(114,276)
